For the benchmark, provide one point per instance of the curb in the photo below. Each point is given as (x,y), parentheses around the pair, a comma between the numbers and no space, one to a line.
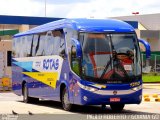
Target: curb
(157,99)
(155,95)
(151,98)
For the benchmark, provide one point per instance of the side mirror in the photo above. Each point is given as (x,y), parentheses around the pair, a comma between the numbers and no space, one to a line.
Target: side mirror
(147,46)
(76,48)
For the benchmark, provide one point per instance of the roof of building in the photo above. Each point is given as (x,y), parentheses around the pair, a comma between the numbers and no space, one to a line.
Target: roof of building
(86,25)
(5,19)
(149,21)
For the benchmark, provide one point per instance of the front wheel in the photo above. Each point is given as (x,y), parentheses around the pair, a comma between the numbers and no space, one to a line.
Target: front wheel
(117,107)
(65,101)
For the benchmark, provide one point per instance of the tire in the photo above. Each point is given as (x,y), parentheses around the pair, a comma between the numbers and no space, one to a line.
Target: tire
(65,102)
(103,107)
(117,107)
(26,98)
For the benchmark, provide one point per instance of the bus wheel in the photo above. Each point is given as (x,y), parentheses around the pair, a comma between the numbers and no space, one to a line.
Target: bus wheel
(117,107)
(25,94)
(103,107)
(65,102)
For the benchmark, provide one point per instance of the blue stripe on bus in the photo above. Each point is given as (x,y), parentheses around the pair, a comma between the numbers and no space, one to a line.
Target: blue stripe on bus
(25,65)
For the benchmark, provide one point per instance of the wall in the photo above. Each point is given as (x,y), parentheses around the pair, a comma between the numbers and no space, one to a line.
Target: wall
(154,43)
(4,47)
(153,37)
(23,28)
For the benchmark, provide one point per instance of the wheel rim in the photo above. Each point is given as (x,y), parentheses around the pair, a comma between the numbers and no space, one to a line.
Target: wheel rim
(25,94)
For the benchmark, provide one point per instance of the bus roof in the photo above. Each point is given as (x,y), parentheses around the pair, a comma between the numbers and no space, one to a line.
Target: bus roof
(84,25)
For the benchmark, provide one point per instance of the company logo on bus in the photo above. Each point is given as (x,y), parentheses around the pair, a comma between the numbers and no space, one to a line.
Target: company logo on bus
(50,64)
(115,92)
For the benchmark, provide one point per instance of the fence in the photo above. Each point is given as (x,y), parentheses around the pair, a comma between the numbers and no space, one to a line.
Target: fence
(154,62)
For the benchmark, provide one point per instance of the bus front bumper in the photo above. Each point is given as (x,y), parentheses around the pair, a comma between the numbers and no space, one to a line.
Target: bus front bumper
(100,97)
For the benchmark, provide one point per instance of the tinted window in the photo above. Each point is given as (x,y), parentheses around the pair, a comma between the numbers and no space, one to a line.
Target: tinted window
(28,45)
(46,43)
(54,42)
(34,44)
(40,48)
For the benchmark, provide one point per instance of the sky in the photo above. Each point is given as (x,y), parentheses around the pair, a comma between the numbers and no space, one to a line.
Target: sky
(78,8)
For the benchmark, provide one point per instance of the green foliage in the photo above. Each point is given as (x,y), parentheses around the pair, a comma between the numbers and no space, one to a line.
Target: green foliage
(151,77)
(75,67)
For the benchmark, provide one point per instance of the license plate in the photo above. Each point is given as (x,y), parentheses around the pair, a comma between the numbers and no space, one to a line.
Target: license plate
(115,99)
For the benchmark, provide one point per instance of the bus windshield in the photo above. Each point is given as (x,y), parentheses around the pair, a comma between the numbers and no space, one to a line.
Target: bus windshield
(110,57)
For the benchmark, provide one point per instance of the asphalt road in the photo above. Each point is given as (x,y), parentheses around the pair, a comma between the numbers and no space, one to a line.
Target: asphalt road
(11,103)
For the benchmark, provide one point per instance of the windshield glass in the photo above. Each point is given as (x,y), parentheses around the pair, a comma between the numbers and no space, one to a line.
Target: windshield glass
(110,57)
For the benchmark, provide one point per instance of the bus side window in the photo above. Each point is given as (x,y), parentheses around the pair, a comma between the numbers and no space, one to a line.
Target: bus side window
(26,45)
(62,46)
(35,41)
(29,45)
(59,43)
(20,51)
(17,47)
(40,48)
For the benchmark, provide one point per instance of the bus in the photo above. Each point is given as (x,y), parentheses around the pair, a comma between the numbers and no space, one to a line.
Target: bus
(78,61)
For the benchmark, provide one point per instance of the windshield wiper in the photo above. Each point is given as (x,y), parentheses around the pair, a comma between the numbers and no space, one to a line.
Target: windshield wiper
(106,68)
(114,59)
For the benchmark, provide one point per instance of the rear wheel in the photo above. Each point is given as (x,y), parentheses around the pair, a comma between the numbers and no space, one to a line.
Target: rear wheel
(26,98)
(117,107)
(65,101)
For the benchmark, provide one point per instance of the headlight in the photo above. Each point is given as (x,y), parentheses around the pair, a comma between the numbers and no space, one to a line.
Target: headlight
(91,89)
(137,88)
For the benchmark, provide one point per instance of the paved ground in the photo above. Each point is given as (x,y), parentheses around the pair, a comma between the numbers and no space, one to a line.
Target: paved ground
(151,86)
(10,103)
(50,107)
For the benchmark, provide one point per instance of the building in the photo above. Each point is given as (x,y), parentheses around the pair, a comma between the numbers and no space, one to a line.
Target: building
(10,25)
(148,28)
